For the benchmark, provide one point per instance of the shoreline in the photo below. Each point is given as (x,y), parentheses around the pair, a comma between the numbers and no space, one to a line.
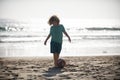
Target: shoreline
(61,56)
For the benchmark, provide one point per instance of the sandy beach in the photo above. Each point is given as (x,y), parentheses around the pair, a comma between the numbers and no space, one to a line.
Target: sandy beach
(77,68)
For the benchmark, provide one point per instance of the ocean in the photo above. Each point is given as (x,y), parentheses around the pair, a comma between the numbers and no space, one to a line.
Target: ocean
(24,39)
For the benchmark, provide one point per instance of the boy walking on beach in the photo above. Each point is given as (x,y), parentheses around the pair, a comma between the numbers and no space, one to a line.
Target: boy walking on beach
(56,34)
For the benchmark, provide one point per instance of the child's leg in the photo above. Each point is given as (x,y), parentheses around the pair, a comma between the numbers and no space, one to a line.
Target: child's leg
(56,56)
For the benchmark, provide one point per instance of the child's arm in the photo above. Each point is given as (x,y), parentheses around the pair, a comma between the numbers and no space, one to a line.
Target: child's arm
(67,36)
(47,39)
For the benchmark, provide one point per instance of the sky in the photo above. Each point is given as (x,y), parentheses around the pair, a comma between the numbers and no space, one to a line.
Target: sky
(86,11)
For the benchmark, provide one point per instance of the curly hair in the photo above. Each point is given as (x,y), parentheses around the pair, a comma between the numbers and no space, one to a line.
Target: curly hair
(53,18)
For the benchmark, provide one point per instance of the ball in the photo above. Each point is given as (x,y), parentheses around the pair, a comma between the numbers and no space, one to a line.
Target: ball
(61,63)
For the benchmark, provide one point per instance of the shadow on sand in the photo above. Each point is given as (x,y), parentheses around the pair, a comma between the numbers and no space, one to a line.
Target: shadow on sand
(53,72)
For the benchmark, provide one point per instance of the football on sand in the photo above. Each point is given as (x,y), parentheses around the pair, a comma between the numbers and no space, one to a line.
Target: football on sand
(61,63)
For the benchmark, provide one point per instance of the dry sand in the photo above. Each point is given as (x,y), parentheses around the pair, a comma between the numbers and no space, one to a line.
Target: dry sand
(77,68)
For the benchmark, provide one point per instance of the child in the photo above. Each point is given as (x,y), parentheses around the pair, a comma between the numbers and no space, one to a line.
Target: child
(56,35)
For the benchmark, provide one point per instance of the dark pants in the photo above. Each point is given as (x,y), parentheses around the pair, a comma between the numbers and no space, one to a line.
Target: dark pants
(55,47)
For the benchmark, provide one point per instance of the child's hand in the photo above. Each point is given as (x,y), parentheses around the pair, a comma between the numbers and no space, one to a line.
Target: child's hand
(47,39)
(69,40)
(45,43)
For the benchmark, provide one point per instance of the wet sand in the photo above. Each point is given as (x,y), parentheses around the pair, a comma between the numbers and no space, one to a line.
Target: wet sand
(77,68)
